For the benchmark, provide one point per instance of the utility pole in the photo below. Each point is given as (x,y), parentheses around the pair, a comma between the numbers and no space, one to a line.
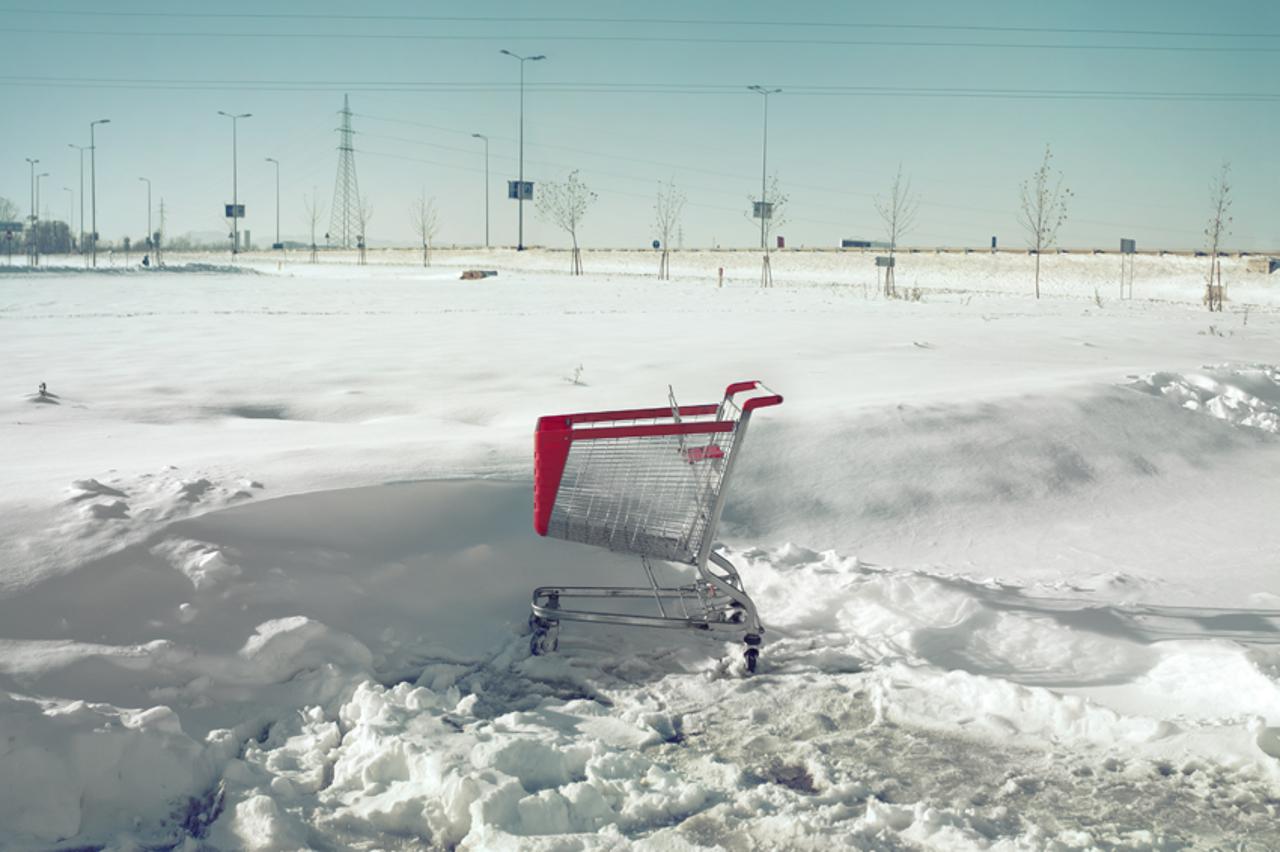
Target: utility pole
(37,232)
(148,182)
(31,248)
(278,244)
(71,208)
(520,186)
(93,187)
(160,233)
(486,185)
(764,160)
(235,200)
(80,238)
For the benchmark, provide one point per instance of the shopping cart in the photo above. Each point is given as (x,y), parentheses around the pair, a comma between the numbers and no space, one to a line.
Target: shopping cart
(647,481)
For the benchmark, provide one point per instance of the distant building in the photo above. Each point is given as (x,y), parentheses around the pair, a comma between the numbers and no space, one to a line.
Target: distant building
(849,242)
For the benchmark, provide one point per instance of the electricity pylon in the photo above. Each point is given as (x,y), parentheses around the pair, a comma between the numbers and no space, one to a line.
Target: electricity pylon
(344,222)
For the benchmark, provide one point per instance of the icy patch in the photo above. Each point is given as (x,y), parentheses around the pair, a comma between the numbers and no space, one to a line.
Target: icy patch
(1246,396)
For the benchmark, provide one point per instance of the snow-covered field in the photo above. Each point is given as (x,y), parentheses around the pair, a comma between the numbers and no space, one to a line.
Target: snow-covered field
(266,553)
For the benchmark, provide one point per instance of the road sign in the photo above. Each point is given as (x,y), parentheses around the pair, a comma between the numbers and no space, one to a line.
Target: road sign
(885,261)
(657,244)
(11,227)
(1128,246)
(514,190)
(762,210)
(235,211)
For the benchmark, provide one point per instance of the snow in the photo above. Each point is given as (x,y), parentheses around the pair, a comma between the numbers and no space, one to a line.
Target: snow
(266,555)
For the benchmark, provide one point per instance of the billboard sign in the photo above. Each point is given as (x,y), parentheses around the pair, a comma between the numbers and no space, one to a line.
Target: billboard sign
(516,190)
(234,211)
(1128,246)
(762,210)
(885,261)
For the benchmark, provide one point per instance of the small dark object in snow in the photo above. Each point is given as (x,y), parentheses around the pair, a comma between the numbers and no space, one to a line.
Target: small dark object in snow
(474,274)
(43,395)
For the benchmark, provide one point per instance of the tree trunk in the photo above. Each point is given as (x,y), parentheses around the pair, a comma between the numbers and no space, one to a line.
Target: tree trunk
(1037,272)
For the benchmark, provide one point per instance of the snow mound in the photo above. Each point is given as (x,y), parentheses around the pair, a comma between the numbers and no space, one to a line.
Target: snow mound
(1241,396)
(70,769)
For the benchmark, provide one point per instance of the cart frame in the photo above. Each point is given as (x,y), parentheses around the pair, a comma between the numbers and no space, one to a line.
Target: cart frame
(634,481)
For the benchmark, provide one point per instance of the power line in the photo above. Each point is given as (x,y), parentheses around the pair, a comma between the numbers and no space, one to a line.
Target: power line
(619,88)
(863,25)
(653,39)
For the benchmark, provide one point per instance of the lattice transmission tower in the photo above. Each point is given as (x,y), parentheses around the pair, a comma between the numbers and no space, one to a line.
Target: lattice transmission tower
(344,222)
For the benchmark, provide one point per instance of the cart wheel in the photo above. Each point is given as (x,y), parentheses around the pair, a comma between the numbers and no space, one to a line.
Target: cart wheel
(736,613)
(545,638)
(752,656)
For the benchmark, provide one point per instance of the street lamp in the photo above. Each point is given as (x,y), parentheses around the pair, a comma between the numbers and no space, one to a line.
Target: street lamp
(93,187)
(486,185)
(147,181)
(764,159)
(81,149)
(278,245)
(71,208)
(32,163)
(235,199)
(520,187)
(37,235)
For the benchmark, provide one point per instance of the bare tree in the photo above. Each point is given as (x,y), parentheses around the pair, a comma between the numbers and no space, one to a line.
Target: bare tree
(774,218)
(565,205)
(8,210)
(1218,229)
(425,223)
(666,217)
(314,209)
(365,214)
(898,210)
(1044,209)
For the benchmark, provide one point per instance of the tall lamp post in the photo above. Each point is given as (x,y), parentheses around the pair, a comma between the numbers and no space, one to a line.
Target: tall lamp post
(147,181)
(93,187)
(278,244)
(32,248)
(764,159)
(486,185)
(80,238)
(520,187)
(71,208)
(235,199)
(37,233)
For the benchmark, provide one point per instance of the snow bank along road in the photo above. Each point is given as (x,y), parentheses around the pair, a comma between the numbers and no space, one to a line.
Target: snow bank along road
(265,556)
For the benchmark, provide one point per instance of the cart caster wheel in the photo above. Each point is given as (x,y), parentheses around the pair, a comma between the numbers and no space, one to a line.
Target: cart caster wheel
(752,656)
(736,613)
(545,638)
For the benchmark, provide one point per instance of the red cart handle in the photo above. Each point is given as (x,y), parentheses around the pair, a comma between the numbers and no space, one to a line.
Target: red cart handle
(756,401)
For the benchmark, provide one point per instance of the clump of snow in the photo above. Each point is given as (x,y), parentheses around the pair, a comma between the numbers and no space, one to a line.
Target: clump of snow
(1242,396)
(206,565)
(72,769)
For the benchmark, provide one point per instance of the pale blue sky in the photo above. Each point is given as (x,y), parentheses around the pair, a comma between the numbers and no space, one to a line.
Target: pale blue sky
(1139,166)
